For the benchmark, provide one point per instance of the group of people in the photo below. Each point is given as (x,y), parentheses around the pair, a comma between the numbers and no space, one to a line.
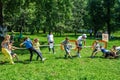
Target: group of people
(34,46)
(80,42)
(112,53)
(31,46)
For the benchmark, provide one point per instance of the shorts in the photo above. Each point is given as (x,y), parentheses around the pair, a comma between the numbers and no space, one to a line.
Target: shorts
(12,53)
(108,54)
(67,50)
(95,50)
(79,45)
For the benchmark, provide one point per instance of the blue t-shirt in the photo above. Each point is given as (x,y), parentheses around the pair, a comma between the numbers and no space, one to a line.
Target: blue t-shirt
(28,43)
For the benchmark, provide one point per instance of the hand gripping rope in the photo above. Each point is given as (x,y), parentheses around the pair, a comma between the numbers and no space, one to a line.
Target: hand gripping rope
(72,44)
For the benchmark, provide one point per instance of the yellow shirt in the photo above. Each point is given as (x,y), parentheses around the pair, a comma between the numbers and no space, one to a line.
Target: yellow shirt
(36,45)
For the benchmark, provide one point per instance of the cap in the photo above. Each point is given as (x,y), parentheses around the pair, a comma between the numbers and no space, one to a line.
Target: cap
(84,35)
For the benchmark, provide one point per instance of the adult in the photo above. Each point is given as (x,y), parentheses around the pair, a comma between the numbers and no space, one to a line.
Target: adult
(5,46)
(50,39)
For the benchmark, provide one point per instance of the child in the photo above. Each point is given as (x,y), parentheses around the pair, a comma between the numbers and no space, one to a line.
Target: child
(27,42)
(96,48)
(5,46)
(79,43)
(114,51)
(106,52)
(36,45)
(66,47)
(11,47)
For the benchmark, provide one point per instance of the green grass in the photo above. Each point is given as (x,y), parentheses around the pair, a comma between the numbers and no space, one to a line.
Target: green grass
(58,68)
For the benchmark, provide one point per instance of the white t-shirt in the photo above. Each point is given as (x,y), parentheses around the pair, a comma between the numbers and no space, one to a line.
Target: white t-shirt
(80,39)
(118,48)
(50,38)
(97,46)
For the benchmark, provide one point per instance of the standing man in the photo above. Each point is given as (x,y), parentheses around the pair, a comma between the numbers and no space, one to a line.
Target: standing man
(79,43)
(50,39)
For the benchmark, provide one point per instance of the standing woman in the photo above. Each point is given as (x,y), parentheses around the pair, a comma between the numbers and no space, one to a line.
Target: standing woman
(50,39)
(5,47)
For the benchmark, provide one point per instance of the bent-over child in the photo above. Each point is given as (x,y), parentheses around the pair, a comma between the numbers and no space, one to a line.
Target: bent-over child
(106,53)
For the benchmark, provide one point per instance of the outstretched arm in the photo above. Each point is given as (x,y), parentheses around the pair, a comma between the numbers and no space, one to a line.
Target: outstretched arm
(21,44)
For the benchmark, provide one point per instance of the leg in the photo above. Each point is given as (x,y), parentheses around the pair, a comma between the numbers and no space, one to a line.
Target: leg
(7,55)
(38,53)
(78,52)
(49,47)
(31,53)
(94,53)
(53,50)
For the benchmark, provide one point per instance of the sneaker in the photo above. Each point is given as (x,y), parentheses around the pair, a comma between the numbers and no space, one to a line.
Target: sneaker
(92,56)
(43,59)
(79,56)
(65,57)
(12,63)
(54,53)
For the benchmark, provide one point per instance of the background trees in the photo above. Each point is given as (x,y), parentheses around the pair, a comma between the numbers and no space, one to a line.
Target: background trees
(60,15)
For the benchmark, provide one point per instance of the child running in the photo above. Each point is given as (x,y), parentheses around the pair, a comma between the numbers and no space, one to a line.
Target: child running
(5,46)
(36,45)
(27,42)
(66,47)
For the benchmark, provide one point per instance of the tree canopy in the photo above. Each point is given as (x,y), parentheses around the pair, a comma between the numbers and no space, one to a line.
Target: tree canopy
(60,15)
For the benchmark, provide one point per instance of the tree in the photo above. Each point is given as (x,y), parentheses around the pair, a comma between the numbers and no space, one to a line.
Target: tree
(78,14)
(96,15)
(108,5)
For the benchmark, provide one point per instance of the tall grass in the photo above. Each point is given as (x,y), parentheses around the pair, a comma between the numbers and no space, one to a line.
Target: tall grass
(58,68)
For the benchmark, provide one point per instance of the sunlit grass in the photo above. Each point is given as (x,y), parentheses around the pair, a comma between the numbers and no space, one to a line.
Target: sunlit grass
(58,68)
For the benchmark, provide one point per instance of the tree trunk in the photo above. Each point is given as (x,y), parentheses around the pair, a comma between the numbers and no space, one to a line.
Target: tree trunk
(44,30)
(108,21)
(1,21)
(1,16)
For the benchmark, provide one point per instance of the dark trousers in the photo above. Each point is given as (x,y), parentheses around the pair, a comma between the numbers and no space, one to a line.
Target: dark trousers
(34,50)
(108,54)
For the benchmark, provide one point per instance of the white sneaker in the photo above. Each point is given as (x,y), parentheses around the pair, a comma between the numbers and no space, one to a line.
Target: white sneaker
(43,59)
(79,55)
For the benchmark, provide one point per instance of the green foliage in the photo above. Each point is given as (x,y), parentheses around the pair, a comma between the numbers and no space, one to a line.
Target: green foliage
(34,15)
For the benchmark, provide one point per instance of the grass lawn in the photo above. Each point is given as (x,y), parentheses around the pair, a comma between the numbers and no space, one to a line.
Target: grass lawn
(58,68)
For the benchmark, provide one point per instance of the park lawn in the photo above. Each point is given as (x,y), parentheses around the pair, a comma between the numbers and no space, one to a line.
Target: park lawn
(58,68)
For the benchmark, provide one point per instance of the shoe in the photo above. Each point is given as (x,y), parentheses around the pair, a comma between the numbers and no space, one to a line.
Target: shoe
(54,53)
(79,56)
(43,59)
(12,63)
(65,57)
(92,56)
